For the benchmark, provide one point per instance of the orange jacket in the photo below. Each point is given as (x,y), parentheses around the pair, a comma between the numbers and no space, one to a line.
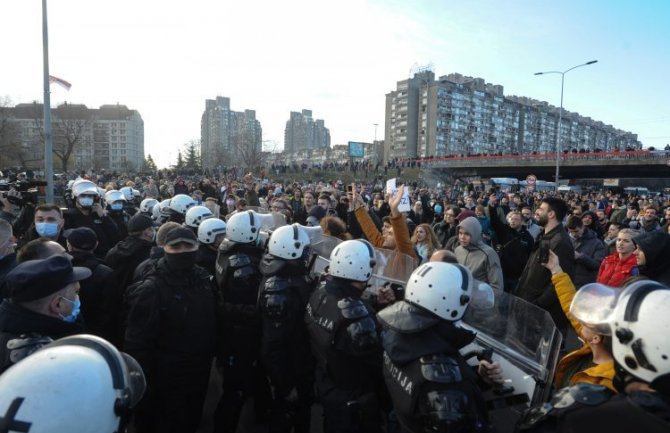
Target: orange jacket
(403,244)
(600,374)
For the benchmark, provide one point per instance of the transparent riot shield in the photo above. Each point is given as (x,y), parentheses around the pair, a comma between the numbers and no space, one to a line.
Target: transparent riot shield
(392,269)
(269,220)
(523,339)
(320,251)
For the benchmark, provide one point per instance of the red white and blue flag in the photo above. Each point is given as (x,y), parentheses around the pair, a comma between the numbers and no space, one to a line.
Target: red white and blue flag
(66,85)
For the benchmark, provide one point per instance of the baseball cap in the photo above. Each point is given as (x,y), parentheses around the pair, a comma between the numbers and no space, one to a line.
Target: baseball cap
(181,235)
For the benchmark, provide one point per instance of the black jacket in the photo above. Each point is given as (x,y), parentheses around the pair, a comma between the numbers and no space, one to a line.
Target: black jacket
(514,246)
(656,248)
(104,227)
(172,324)
(95,294)
(413,340)
(16,321)
(535,282)
(444,232)
(593,252)
(207,259)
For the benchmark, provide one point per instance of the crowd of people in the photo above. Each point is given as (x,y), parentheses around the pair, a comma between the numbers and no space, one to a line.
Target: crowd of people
(157,279)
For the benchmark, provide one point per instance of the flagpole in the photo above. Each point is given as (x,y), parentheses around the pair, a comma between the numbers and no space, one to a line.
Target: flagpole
(48,144)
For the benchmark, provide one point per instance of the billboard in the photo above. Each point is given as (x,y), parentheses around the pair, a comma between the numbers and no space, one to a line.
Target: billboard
(356,149)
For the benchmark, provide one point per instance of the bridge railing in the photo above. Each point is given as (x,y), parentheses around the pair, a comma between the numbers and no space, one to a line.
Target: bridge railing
(551,157)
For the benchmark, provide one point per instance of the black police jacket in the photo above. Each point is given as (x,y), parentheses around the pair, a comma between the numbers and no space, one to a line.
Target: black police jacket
(16,321)
(431,385)
(587,408)
(104,227)
(283,295)
(344,338)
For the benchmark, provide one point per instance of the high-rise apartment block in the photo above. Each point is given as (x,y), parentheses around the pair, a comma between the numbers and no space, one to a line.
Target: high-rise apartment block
(110,137)
(229,138)
(304,133)
(458,115)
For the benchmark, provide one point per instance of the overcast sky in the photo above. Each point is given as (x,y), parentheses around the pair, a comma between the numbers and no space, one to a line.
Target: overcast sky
(337,58)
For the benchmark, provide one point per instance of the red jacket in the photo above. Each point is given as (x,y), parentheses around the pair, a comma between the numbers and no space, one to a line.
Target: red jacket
(613,271)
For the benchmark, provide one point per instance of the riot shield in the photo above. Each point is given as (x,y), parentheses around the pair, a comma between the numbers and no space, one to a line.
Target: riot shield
(392,269)
(320,251)
(526,343)
(269,220)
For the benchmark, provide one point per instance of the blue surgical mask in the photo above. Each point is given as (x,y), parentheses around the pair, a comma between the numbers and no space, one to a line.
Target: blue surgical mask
(76,306)
(85,201)
(116,206)
(47,230)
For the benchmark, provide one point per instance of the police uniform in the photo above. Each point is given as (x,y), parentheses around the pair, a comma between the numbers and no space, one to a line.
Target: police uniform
(431,385)
(284,293)
(344,339)
(593,408)
(104,227)
(238,277)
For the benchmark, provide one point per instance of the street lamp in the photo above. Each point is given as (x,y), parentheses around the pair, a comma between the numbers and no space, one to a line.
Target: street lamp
(560,113)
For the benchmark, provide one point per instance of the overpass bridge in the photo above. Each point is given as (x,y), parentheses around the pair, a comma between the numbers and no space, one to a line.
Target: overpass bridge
(634,164)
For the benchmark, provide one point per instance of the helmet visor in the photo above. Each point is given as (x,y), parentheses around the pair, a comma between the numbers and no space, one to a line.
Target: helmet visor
(136,383)
(593,306)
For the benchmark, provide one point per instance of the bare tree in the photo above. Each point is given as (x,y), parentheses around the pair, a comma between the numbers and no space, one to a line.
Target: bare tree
(69,130)
(247,151)
(12,151)
(69,127)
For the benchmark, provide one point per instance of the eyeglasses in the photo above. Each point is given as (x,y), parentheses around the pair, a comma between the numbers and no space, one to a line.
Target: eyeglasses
(275,207)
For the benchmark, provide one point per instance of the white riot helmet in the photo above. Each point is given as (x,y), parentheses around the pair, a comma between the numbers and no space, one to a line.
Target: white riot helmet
(288,242)
(164,206)
(444,289)
(128,193)
(84,187)
(243,227)
(156,212)
(147,205)
(209,229)
(114,195)
(352,260)
(638,321)
(196,215)
(41,392)
(181,203)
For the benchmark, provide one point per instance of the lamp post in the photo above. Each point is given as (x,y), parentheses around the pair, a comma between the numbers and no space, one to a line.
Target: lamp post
(560,112)
(48,143)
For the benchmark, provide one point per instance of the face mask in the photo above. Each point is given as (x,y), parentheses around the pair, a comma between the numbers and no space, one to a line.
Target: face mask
(76,305)
(116,206)
(230,203)
(153,235)
(85,201)
(47,230)
(181,261)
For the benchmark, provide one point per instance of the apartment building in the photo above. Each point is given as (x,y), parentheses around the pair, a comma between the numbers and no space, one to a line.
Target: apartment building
(229,138)
(456,114)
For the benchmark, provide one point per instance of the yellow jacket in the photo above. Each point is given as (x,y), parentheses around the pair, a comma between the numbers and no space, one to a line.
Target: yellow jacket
(601,374)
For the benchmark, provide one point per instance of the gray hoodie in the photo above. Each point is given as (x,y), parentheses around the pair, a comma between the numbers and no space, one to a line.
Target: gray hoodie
(481,259)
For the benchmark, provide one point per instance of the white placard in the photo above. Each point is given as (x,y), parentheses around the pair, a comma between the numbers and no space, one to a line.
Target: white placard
(391,188)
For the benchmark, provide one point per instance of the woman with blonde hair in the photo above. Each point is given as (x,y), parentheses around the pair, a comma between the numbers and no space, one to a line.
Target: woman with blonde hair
(425,242)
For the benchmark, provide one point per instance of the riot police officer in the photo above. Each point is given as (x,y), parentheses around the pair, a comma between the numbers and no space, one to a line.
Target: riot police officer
(238,278)
(178,206)
(88,212)
(285,353)
(211,233)
(115,205)
(431,385)
(637,321)
(344,339)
